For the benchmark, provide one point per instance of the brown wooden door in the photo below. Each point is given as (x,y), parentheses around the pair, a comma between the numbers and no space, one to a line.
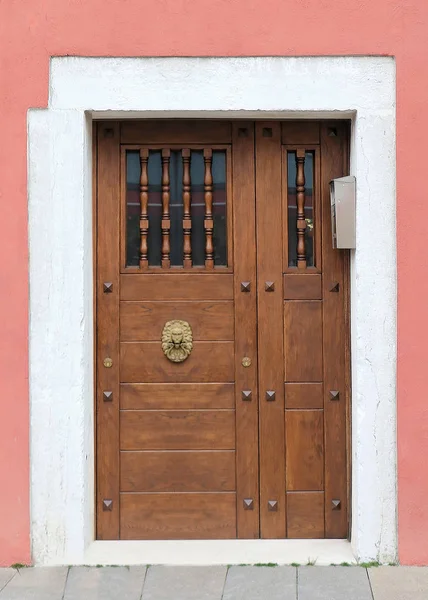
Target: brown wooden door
(221,331)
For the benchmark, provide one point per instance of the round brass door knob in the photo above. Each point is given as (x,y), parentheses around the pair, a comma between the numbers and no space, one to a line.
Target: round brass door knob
(246,361)
(108,363)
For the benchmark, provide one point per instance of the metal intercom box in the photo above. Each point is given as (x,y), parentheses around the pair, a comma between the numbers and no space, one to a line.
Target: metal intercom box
(343,214)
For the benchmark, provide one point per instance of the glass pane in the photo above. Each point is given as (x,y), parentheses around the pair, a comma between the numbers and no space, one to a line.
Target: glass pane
(292,209)
(176,208)
(219,208)
(155,208)
(198,207)
(133,171)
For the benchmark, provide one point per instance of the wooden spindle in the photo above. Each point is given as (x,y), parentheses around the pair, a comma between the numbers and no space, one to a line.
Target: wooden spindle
(187,220)
(166,222)
(301,222)
(144,201)
(208,222)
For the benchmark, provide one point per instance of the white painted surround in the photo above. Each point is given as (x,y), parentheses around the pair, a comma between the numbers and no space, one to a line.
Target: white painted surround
(61,282)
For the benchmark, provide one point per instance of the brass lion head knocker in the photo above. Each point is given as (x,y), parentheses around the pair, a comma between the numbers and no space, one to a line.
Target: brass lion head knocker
(177,340)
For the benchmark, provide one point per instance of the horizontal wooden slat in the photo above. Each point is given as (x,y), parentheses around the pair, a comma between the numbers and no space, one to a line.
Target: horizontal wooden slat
(177,395)
(144,321)
(176,286)
(177,516)
(177,430)
(176,132)
(304,395)
(305,515)
(303,341)
(145,362)
(300,132)
(178,471)
(304,432)
(302,286)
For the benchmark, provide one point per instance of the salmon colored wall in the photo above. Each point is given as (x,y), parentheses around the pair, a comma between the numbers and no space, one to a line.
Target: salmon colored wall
(33,30)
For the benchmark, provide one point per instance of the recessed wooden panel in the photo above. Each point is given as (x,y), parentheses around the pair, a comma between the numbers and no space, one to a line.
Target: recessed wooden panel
(177,471)
(178,516)
(303,341)
(176,286)
(175,132)
(305,515)
(176,395)
(302,286)
(177,430)
(304,395)
(304,434)
(144,321)
(301,132)
(145,362)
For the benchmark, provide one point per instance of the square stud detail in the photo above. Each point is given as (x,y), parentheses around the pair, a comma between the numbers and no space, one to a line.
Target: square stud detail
(267,131)
(269,286)
(270,395)
(335,505)
(273,505)
(245,286)
(108,505)
(334,395)
(335,288)
(242,132)
(107,287)
(108,396)
(332,132)
(246,395)
(248,504)
(108,133)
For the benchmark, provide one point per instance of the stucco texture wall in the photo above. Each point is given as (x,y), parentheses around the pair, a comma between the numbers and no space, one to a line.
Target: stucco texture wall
(31,31)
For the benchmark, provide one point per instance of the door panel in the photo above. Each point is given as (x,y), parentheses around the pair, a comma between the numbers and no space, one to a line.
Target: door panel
(222,324)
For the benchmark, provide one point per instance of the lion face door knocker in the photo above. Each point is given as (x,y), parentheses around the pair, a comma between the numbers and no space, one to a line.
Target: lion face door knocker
(177,340)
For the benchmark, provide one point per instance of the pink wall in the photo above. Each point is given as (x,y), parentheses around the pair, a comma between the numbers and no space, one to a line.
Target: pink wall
(33,30)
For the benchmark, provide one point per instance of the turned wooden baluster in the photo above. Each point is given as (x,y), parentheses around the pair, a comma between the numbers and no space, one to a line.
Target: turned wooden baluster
(301,222)
(166,222)
(208,222)
(187,222)
(144,201)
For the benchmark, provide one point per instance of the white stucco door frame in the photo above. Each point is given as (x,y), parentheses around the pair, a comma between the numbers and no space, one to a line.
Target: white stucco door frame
(61,285)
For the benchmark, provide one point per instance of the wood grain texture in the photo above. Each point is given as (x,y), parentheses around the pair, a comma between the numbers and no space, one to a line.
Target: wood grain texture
(184,471)
(304,395)
(335,339)
(270,329)
(176,286)
(146,362)
(175,132)
(302,286)
(177,430)
(305,515)
(178,516)
(304,433)
(247,423)
(107,331)
(303,341)
(139,396)
(300,132)
(143,321)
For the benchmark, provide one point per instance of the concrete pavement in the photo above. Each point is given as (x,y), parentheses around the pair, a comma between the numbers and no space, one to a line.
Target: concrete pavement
(214,583)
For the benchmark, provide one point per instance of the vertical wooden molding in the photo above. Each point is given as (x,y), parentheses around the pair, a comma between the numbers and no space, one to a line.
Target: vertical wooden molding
(144,200)
(107,330)
(300,199)
(166,223)
(187,220)
(247,433)
(208,222)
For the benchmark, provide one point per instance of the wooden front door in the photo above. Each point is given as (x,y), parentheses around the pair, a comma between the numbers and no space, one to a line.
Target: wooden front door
(222,322)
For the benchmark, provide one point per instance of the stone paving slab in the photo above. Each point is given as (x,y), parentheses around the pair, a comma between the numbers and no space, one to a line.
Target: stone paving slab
(5,576)
(260,583)
(35,583)
(333,583)
(399,583)
(104,583)
(184,583)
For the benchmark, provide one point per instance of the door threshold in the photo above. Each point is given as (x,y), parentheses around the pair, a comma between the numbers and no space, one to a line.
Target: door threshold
(219,552)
